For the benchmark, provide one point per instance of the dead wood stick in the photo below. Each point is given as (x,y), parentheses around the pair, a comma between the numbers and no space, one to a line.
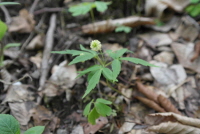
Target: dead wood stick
(33,6)
(6,13)
(47,50)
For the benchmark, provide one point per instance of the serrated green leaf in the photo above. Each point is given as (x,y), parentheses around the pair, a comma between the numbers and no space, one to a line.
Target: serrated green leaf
(87,109)
(81,9)
(9,125)
(110,53)
(3,30)
(108,74)
(72,52)
(103,109)
(90,75)
(11,45)
(93,82)
(92,68)
(9,3)
(116,67)
(93,115)
(35,130)
(120,52)
(102,6)
(103,101)
(82,58)
(90,51)
(125,29)
(194,1)
(138,61)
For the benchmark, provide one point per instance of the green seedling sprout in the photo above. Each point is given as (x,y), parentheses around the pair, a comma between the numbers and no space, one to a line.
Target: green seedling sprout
(85,7)
(9,125)
(122,28)
(194,8)
(9,3)
(4,28)
(105,68)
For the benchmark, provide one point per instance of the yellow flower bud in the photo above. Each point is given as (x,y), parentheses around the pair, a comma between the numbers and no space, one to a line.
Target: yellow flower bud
(95,45)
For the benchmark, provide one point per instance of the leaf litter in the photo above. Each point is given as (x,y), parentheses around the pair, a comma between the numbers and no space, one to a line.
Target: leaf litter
(170,41)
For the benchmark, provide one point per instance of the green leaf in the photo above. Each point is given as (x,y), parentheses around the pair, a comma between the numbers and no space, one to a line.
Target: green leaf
(92,68)
(103,109)
(87,109)
(102,6)
(81,9)
(3,30)
(194,1)
(120,52)
(90,51)
(82,58)
(93,115)
(116,67)
(122,28)
(9,125)
(72,52)
(11,45)
(108,74)
(111,53)
(90,75)
(35,130)
(93,82)
(103,101)
(138,61)
(9,3)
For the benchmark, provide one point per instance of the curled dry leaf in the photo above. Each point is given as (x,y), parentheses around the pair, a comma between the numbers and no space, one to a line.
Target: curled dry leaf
(110,25)
(148,93)
(36,43)
(174,128)
(150,104)
(158,9)
(167,105)
(177,5)
(24,23)
(158,118)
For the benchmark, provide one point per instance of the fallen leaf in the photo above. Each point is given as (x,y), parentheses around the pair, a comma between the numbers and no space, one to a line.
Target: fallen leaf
(177,5)
(36,43)
(24,23)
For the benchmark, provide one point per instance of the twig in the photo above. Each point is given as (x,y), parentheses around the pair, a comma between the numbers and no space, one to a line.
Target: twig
(57,9)
(47,51)
(20,79)
(6,13)
(33,6)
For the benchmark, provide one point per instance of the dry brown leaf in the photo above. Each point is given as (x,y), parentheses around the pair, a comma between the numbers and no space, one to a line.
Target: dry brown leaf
(140,131)
(92,129)
(148,93)
(167,105)
(166,57)
(24,23)
(36,43)
(110,25)
(188,29)
(177,5)
(5,76)
(150,104)
(174,128)
(197,51)
(158,118)
(184,53)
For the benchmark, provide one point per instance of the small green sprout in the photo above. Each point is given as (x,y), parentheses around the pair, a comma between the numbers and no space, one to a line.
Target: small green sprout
(9,125)
(9,3)
(105,68)
(122,28)
(194,8)
(3,30)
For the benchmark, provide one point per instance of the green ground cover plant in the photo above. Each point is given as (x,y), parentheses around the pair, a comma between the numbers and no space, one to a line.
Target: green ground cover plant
(108,66)
(86,7)
(122,28)
(194,8)
(9,125)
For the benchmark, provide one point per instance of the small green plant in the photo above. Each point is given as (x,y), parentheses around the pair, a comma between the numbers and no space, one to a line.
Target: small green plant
(109,69)
(194,8)
(85,7)
(122,28)
(3,30)
(9,125)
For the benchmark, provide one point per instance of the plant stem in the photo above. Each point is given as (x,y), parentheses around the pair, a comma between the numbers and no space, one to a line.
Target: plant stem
(100,61)
(92,16)
(108,84)
(1,54)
